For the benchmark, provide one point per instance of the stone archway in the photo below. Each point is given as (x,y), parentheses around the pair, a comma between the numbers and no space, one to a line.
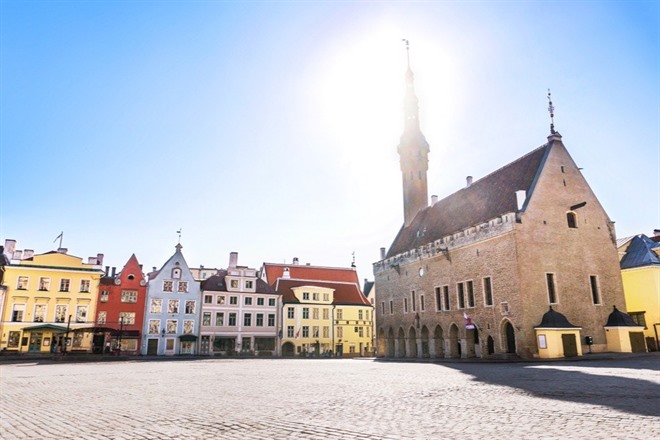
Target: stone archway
(412,343)
(401,344)
(425,343)
(509,335)
(288,349)
(381,343)
(454,342)
(391,344)
(438,342)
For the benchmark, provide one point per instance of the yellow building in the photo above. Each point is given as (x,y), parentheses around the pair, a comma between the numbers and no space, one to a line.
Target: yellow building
(49,299)
(640,272)
(323,318)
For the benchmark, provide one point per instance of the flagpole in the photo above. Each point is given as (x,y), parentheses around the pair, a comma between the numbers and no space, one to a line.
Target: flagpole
(61,237)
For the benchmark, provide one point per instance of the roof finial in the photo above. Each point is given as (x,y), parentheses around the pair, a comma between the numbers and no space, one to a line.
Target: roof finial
(407,43)
(353,263)
(179,232)
(551,110)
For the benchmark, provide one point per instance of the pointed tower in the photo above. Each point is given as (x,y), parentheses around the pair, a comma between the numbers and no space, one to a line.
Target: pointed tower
(413,153)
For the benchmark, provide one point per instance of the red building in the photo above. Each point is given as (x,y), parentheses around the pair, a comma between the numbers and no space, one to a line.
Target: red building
(120,311)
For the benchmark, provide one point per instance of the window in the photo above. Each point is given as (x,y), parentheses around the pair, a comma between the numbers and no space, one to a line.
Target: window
(315,331)
(413,301)
(190,307)
(168,286)
(289,331)
(170,326)
(220,300)
(271,302)
(391,307)
(208,299)
(405,305)
(39,312)
(81,313)
(102,317)
(290,312)
(305,295)
(248,300)
(156,306)
(77,339)
(305,331)
(639,318)
(460,291)
(271,320)
(220,319)
(127,318)
(154,326)
(326,331)
(315,296)
(504,308)
(361,332)
(22,283)
(64,284)
(234,284)
(445,293)
(14,338)
(173,306)
(188,326)
(104,296)
(84,285)
(571,219)
(550,281)
(182,287)
(326,313)
(340,314)
(305,313)
(470,293)
(247,319)
(169,344)
(176,273)
(17,313)
(360,314)
(315,313)
(595,294)
(233,300)
(421,302)
(249,284)
(129,296)
(326,297)
(206,318)
(260,301)
(232,319)
(60,313)
(488,292)
(340,332)
(44,284)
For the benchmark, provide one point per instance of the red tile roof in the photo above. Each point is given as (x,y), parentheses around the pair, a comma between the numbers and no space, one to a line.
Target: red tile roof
(316,273)
(344,293)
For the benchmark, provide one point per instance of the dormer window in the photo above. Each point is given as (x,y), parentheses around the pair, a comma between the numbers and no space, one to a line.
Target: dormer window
(571,219)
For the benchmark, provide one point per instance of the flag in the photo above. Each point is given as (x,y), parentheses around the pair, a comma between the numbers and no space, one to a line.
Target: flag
(468,321)
(298,333)
(58,237)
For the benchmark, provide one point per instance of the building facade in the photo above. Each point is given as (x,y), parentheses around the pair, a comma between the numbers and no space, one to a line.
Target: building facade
(473,274)
(171,319)
(50,299)
(120,311)
(240,313)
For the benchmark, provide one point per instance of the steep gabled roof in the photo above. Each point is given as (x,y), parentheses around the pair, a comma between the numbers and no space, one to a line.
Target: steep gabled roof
(485,199)
(319,273)
(344,293)
(640,253)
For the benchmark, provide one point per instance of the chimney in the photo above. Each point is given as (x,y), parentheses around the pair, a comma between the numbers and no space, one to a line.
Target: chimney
(10,247)
(107,270)
(295,260)
(114,272)
(62,250)
(91,260)
(18,255)
(434,199)
(286,273)
(28,253)
(382,253)
(656,232)
(140,268)
(521,195)
(99,259)
(233,260)
(468,181)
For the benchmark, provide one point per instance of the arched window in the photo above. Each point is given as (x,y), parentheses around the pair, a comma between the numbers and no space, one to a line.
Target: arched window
(571,219)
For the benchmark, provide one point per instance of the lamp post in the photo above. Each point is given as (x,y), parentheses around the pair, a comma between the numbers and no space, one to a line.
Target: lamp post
(121,328)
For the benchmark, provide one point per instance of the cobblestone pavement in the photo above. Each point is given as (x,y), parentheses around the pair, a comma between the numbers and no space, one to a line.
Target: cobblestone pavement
(338,399)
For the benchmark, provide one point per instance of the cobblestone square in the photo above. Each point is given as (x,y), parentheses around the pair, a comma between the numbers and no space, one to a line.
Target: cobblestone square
(328,398)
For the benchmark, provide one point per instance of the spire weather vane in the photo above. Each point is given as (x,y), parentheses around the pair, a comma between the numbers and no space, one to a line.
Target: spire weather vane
(551,110)
(407,43)
(179,232)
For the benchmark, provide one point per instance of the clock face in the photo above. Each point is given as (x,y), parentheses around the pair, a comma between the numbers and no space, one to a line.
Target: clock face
(421,271)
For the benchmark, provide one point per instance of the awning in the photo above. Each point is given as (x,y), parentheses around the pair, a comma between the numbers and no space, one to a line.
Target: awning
(188,338)
(45,327)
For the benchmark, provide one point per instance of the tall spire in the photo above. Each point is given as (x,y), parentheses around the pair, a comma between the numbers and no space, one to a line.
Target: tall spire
(413,151)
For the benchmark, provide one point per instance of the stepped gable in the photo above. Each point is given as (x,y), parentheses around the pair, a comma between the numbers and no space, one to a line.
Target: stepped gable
(485,199)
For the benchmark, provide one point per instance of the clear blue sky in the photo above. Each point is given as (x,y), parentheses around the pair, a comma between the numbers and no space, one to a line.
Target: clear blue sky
(270,128)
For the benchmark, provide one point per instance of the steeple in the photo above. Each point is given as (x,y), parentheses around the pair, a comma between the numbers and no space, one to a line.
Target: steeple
(413,152)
